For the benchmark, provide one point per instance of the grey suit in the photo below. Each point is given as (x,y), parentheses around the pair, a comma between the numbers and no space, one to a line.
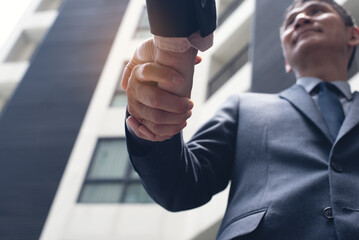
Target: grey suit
(289,178)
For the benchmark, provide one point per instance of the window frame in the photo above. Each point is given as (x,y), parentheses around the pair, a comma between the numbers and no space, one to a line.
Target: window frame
(127,180)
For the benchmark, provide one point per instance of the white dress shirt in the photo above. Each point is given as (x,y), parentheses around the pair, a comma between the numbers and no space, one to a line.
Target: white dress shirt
(309,84)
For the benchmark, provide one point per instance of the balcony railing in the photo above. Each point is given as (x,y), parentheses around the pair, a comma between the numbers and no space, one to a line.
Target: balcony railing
(229,10)
(228,70)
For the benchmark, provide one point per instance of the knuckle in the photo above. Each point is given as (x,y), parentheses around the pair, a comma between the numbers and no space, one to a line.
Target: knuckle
(131,111)
(136,70)
(154,100)
(145,68)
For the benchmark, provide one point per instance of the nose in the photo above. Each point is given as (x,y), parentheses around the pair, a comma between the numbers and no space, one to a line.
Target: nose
(302,19)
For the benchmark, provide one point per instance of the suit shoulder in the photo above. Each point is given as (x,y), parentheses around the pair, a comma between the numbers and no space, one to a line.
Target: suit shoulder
(258,97)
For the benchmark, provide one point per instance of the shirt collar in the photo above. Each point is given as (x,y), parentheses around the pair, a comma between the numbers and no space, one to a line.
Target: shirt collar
(309,83)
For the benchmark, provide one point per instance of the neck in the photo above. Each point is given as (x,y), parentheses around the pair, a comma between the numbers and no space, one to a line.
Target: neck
(326,68)
(325,74)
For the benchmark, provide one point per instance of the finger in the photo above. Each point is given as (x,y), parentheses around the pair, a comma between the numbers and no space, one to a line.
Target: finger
(161,130)
(156,116)
(125,76)
(144,53)
(154,72)
(154,97)
(134,125)
(142,132)
(152,137)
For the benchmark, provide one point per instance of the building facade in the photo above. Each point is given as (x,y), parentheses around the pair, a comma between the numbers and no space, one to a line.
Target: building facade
(63,162)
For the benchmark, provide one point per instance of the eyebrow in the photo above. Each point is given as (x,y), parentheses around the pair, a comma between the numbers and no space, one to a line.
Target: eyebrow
(295,13)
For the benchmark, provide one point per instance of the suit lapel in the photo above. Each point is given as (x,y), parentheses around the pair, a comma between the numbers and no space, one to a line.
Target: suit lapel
(352,118)
(302,101)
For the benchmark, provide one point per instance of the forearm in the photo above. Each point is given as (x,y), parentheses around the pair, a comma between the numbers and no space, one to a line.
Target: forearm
(182,176)
(171,174)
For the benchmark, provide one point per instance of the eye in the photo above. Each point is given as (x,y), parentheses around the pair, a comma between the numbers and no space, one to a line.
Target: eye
(315,10)
(289,21)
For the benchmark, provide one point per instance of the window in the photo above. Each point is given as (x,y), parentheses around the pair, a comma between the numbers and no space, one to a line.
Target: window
(111,178)
(143,27)
(119,98)
(48,5)
(25,45)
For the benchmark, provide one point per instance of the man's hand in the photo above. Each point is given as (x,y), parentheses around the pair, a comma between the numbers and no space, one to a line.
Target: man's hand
(183,63)
(158,85)
(156,114)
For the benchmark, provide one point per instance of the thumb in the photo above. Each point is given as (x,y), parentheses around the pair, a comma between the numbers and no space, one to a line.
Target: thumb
(127,73)
(144,53)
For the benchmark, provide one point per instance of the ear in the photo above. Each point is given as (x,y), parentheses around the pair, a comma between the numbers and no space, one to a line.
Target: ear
(288,67)
(353,36)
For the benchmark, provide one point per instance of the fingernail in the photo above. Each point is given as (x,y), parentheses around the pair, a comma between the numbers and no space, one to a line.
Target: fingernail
(198,60)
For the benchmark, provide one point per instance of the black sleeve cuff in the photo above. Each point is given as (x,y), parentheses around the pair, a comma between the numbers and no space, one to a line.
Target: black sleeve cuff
(181,18)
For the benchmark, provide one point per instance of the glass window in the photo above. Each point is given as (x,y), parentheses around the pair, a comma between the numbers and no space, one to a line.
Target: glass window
(119,99)
(111,178)
(143,27)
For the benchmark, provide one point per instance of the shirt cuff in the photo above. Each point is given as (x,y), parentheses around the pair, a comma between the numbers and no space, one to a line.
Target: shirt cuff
(182,44)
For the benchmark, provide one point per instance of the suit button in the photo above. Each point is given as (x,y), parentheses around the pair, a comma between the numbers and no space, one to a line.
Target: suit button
(336,167)
(328,213)
(203,3)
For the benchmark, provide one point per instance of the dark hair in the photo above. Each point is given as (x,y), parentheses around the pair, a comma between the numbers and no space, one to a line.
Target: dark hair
(344,14)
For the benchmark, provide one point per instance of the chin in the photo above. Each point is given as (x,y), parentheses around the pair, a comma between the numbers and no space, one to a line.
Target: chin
(309,46)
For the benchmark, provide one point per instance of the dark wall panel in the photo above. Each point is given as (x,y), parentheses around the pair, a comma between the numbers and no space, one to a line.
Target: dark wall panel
(268,73)
(39,126)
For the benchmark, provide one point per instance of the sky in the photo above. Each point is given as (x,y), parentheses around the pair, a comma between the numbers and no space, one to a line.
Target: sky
(11,12)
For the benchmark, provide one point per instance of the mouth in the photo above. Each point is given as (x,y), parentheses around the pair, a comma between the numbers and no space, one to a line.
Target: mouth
(304,33)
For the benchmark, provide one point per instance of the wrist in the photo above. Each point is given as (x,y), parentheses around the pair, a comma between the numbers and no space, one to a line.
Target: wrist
(183,44)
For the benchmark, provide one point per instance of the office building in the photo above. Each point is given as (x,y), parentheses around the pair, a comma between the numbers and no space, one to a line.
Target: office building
(64,168)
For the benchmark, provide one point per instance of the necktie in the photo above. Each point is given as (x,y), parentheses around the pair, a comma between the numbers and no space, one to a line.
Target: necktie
(330,107)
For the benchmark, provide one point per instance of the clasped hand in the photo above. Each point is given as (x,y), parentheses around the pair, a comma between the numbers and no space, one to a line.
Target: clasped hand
(158,85)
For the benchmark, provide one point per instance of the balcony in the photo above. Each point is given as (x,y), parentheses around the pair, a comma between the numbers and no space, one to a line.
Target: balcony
(228,70)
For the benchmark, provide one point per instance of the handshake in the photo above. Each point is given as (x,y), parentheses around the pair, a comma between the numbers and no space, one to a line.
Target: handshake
(158,86)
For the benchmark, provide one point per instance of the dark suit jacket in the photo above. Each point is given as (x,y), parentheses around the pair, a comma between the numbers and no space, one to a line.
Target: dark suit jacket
(284,168)
(276,151)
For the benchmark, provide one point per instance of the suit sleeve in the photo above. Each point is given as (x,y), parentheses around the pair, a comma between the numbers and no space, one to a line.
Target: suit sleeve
(181,18)
(181,176)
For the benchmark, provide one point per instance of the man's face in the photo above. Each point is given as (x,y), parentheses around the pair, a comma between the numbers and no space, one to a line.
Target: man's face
(312,26)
